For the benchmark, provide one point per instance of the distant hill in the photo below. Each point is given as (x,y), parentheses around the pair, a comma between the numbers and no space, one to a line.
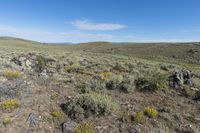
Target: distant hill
(187,52)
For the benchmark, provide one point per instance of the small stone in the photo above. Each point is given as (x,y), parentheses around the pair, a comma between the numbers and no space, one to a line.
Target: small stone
(68,127)
(28,64)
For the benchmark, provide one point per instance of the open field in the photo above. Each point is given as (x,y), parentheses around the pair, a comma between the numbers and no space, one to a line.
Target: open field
(98,87)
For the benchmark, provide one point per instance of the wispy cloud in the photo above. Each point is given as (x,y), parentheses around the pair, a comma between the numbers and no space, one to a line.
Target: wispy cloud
(89,25)
(76,36)
(50,36)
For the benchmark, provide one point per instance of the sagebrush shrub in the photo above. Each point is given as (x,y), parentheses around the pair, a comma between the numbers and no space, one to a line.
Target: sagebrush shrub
(152,83)
(88,104)
(126,116)
(40,63)
(122,83)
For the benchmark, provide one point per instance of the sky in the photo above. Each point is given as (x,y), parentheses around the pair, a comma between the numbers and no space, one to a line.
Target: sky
(101,20)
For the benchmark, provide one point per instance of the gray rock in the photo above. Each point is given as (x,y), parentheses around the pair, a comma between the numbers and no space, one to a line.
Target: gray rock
(188,129)
(135,129)
(178,78)
(28,64)
(68,127)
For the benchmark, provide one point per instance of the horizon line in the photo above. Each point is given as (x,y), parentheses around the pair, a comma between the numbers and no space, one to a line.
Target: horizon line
(24,39)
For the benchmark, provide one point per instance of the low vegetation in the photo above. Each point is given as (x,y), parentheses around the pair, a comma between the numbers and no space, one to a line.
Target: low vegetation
(98,88)
(126,116)
(139,117)
(86,127)
(9,104)
(7,121)
(11,74)
(121,83)
(57,114)
(150,112)
(40,61)
(54,95)
(89,104)
(152,83)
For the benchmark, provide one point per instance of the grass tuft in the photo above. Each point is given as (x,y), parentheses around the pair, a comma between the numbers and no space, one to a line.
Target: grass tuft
(11,74)
(150,112)
(86,127)
(9,104)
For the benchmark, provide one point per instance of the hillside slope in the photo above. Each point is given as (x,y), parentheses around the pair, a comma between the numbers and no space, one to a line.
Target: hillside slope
(85,87)
(189,52)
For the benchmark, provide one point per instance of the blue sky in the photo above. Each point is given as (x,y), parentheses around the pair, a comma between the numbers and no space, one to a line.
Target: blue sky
(101,20)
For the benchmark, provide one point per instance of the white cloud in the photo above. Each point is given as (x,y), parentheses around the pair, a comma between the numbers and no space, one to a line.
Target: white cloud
(50,36)
(77,36)
(89,25)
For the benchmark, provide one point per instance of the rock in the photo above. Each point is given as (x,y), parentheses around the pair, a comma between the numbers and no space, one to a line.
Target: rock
(68,127)
(135,129)
(16,61)
(178,78)
(24,61)
(43,65)
(33,120)
(28,64)
(188,129)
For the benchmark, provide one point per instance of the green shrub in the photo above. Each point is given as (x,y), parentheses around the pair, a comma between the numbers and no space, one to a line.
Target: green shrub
(40,63)
(121,67)
(126,116)
(6,121)
(144,84)
(11,74)
(187,91)
(56,114)
(74,68)
(121,83)
(54,95)
(105,75)
(152,83)
(139,117)
(9,104)
(86,127)
(150,112)
(114,82)
(88,104)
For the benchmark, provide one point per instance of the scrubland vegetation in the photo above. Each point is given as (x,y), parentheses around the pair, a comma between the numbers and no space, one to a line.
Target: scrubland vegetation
(88,89)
